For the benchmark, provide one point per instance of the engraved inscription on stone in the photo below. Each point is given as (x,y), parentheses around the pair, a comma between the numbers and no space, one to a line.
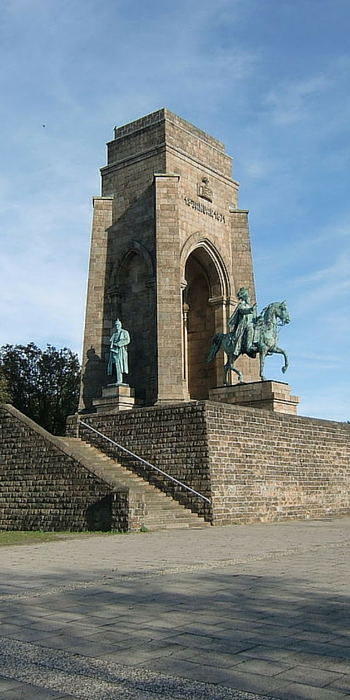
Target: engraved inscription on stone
(198,206)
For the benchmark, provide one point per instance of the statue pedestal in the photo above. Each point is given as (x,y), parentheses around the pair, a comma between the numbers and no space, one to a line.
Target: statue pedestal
(115,398)
(269,395)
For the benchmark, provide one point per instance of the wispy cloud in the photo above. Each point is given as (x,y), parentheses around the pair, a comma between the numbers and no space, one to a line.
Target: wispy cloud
(41,302)
(293,103)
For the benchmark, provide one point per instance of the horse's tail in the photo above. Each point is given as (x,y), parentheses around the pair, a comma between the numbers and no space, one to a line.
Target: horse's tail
(215,346)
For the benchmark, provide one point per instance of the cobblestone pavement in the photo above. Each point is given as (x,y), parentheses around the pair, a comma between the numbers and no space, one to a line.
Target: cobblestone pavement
(215,613)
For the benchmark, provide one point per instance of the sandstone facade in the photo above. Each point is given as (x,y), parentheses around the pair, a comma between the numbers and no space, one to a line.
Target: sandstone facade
(169,250)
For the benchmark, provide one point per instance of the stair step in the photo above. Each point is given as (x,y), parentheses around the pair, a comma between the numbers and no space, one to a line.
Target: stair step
(163,512)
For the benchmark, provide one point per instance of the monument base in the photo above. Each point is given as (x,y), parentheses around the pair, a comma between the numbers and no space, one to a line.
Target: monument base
(269,395)
(115,398)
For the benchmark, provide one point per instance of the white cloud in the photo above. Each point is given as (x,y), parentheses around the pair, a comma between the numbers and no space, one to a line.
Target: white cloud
(323,298)
(291,103)
(299,100)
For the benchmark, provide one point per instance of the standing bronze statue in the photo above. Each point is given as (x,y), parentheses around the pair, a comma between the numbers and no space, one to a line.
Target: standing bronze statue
(251,334)
(118,355)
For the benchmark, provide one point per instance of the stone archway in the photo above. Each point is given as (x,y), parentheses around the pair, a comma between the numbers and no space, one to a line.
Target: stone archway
(205,297)
(132,299)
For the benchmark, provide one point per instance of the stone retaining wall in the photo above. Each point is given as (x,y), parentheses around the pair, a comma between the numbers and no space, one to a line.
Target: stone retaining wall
(44,488)
(252,464)
(269,466)
(172,438)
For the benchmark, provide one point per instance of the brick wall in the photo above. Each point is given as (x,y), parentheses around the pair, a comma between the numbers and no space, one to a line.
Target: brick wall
(253,464)
(93,350)
(44,488)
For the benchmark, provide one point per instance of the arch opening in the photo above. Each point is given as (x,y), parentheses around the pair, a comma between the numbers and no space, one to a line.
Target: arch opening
(132,300)
(204,301)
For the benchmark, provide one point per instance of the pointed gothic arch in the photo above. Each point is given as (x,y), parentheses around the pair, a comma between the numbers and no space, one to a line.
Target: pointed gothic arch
(131,295)
(218,270)
(206,294)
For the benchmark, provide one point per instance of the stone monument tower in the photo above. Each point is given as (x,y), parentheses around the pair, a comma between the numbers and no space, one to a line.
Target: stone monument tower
(169,250)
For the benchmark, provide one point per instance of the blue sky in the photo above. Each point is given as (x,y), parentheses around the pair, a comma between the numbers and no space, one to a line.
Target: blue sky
(269,78)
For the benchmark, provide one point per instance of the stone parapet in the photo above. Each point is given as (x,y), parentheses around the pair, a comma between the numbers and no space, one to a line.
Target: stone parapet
(268,395)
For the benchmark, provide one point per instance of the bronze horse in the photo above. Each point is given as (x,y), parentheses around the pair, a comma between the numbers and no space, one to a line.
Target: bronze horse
(264,340)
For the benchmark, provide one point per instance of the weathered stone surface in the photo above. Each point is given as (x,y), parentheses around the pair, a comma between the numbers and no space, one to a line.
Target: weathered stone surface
(115,397)
(173,438)
(43,487)
(252,464)
(169,250)
(269,395)
(56,483)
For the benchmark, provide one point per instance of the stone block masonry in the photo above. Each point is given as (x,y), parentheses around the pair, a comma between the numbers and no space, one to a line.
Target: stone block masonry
(268,466)
(254,465)
(169,250)
(269,395)
(172,438)
(44,488)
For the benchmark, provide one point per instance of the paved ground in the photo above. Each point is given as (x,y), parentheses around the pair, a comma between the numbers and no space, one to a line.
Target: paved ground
(213,614)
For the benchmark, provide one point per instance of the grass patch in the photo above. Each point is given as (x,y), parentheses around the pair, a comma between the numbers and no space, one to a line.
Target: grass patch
(18,537)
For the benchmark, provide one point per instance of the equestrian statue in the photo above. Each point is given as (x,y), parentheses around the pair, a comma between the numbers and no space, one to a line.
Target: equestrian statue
(251,334)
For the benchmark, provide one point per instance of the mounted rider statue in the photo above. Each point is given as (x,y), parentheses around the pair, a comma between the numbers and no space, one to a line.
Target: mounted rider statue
(251,334)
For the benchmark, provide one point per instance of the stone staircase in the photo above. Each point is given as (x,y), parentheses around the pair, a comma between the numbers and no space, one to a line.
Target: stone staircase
(161,512)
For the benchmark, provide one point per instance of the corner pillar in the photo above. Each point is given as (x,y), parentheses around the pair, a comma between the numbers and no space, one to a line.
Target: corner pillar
(169,296)
(93,362)
(244,275)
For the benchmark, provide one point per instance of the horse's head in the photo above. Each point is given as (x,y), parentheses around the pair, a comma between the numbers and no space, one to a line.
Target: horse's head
(282,313)
(276,312)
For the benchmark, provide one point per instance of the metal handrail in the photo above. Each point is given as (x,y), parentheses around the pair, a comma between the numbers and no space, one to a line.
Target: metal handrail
(144,461)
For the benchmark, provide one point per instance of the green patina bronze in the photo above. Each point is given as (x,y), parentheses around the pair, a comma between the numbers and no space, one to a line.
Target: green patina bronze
(118,354)
(251,334)
(241,325)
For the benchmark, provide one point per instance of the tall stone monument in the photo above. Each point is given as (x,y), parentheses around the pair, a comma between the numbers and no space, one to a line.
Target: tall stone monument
(170,248)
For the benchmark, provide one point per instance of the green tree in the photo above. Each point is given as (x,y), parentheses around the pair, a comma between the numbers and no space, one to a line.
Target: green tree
(43,384)
(5,396)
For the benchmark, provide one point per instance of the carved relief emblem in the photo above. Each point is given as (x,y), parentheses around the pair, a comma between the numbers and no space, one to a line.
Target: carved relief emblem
(204,191)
